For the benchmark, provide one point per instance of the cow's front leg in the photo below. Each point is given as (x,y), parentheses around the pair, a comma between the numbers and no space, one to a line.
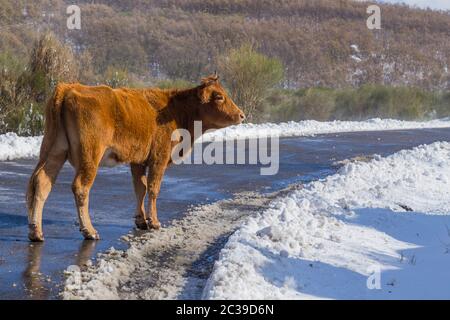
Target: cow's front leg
(140,189)
(155,175)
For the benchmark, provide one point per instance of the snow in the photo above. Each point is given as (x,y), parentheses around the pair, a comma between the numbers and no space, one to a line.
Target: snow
(159,265)
(355,47)
(356,58)
(312,127)
(374,230)
(356,50)
(13,146)
(109,273)
(16,147)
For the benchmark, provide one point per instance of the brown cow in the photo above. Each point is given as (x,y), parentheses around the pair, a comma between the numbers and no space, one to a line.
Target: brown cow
(90,126)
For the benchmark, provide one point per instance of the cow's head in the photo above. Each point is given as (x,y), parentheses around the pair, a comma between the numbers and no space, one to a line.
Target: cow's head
(216,109)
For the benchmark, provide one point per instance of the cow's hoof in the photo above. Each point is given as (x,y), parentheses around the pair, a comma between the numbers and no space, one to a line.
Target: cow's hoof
(90,235)
(141,225)
(34,234)
(36,237)
(154,225)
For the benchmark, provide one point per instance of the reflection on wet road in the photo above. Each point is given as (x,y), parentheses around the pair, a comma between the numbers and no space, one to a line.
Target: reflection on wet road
(35,270)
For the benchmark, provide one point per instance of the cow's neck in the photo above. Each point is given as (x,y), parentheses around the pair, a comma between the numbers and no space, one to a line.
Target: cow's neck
(184,106)
(177,109)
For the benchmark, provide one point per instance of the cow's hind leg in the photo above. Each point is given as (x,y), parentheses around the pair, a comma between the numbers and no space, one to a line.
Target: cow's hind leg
(140,189)
(86,172)
(40,185)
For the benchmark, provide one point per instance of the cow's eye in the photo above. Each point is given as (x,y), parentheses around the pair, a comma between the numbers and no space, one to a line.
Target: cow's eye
(219,98)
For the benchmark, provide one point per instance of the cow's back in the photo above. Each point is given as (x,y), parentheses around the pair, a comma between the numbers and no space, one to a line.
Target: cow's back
(121,120)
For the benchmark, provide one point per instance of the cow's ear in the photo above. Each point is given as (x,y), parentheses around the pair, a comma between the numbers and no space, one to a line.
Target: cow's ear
(204,94)
(210,80)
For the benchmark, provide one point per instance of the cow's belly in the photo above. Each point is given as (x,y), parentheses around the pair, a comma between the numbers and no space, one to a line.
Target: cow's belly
(109,159)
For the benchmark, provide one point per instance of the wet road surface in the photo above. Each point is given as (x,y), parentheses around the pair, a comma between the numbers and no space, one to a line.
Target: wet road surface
(35,271)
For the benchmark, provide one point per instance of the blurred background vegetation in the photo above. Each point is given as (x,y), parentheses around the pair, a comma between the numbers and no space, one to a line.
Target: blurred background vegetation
(300,59)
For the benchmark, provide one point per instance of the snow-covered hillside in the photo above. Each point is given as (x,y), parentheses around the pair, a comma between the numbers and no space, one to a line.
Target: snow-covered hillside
(374,230)
(15,147)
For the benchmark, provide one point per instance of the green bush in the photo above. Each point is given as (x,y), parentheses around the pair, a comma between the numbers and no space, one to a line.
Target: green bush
(29,120)
(26,86)
(250,76)
(13,93)
(442,103)
(176,83)
(116,78)
(368,101)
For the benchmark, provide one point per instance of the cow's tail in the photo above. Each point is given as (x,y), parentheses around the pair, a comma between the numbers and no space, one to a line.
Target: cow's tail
(52,123)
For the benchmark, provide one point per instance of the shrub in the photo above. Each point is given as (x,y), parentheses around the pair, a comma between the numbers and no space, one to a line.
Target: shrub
(176,84)
(12,93)
(361,103)
(50,62)
(250,75)
(116,78)
(24,91)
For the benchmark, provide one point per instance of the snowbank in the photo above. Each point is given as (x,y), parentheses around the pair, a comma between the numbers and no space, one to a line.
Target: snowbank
(15,147)
(382,224)
(312,127)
